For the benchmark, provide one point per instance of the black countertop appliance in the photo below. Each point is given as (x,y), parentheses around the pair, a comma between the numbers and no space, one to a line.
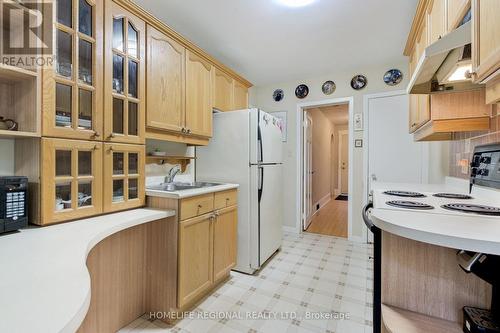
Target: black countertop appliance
(13,203)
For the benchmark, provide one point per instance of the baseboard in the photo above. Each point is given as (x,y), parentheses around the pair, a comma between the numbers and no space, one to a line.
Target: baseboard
(323,201)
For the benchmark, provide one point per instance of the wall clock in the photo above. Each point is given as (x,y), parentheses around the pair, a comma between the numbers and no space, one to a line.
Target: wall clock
(328,87)
(278,95)
(359,82)
(393,77)
(301,91)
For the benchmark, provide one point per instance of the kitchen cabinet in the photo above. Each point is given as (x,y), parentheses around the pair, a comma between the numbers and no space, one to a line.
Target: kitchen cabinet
(72,101)
(437,20)
(195,258)
(455,11)
(124,78)
(71,180)
(225,231)
(240,96)
(223,91)
(165,104)
(207,244)
(124,176)
(486,44)
(199,99)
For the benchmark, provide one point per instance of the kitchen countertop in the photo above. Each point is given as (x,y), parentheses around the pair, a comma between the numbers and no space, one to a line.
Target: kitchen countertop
(45,284)
(471,232)
(190,193)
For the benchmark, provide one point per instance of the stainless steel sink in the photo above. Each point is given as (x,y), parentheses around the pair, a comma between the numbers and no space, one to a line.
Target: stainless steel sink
(173,187)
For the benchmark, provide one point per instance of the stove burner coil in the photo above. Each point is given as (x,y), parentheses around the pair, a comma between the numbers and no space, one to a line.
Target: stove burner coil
(407,194)
(469,208)
(452,196)
(409,204)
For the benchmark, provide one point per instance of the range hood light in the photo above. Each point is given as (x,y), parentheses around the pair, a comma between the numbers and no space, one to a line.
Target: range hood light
(461,73)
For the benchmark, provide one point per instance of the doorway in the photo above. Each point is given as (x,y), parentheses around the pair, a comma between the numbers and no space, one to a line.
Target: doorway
(326,168)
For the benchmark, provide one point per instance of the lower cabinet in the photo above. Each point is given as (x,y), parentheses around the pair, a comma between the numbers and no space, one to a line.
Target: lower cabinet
(207,246)
(84,178)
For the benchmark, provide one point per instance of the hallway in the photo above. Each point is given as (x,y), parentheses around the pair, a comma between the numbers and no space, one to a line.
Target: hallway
(331,219)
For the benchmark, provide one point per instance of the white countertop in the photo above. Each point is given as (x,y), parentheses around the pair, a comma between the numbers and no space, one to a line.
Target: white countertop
(45,284)
(438,226)
(190,193)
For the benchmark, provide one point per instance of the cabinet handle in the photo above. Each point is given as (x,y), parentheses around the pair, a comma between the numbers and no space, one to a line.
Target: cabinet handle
(96,147)
(188,130)
(199,206)
(414,124)
(112,135)
(183,130)
(110,148)
(95,134)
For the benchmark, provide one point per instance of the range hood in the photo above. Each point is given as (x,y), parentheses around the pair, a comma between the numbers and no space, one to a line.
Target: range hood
(445,65)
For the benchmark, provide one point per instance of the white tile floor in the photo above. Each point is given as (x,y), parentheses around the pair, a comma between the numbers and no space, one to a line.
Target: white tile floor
(313,277)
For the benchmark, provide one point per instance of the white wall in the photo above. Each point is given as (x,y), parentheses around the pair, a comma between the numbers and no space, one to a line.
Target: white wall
(7,157)
(156,172)
(261,97)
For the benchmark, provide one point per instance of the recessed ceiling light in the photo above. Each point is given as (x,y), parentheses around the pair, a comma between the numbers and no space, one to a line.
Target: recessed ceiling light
(295,3)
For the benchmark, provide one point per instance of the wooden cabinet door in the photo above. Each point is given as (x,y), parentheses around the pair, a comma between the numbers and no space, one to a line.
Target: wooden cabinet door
(198,95)
(223,91)
(485,38)
(165,82)
(124,76)
(456,9)
(424,109)
(240,96)
(437,20)
(71,179)
(195,258)
(225,241)
(124,179)
(413,121)
(72,86)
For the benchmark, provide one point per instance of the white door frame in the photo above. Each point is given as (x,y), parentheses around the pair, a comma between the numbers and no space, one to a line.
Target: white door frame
(366,100)
(300,153)
(307,202)
(339,167)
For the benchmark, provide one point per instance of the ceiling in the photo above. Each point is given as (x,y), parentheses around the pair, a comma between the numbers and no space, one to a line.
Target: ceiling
(337,114)
(269,43)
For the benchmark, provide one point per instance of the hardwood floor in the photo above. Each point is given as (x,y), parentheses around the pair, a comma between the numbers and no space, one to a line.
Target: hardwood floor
(331,219)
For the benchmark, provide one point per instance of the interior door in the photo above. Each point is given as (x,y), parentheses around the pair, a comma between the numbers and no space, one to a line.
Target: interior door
(308,172)
(393,156)
(344,162)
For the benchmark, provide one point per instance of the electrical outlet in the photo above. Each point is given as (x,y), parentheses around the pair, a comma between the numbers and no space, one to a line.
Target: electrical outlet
(317,206)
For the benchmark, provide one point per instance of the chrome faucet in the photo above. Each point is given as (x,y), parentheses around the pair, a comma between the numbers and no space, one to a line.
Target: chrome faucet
(169,178)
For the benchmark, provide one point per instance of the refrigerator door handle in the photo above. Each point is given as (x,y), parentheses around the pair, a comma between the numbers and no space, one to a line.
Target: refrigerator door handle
(261,182)
(260,157)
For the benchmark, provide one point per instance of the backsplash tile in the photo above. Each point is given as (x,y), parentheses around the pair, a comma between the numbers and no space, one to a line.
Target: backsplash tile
(462,147)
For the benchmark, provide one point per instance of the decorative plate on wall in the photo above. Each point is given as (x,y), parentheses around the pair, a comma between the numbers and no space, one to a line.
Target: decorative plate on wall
(278,95)
(393,77)
(328,87)
(359,82)
(301,91)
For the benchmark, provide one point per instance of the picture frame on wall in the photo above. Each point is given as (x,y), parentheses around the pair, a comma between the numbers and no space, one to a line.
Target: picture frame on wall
(281,116)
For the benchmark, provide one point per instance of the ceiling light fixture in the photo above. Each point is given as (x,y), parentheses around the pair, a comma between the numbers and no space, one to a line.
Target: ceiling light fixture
(295,3)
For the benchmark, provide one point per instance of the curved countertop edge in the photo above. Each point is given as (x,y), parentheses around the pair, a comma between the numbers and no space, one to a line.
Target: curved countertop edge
(190,193)
(470,233)
(94,230)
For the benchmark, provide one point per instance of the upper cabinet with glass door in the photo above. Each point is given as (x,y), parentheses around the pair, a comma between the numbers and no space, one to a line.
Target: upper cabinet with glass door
(124,78)
(72,87)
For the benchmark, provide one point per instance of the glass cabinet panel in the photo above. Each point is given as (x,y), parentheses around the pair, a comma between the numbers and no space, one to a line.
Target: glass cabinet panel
(133,163)
(64,12)
(85,18)
(118,73)
(85,103)
(64,53)
(63,105)
(132,78)
(85,61)
(63,196)
(84,193)
(132,188)
(117,115)
(63,163)
(118,190)
(132,41)
(118,33)
(118,168)
(133,121)
(84,163)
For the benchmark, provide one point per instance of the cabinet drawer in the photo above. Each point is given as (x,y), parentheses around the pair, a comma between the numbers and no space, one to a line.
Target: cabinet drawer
(225,199)
(195,206)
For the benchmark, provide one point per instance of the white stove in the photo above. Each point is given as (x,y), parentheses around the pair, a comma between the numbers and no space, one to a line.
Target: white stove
(451,203)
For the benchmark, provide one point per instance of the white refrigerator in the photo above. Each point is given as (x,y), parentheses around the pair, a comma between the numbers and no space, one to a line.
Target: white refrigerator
(247,149)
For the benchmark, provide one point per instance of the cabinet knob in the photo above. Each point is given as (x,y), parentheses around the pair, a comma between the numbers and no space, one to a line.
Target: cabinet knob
(183,130)
(200,206)
(96,134)
(96,147)
(112,135)
(188,130)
